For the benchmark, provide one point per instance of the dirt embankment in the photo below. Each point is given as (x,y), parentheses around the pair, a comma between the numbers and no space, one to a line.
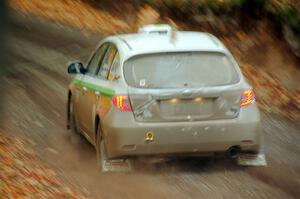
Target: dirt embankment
(265,60)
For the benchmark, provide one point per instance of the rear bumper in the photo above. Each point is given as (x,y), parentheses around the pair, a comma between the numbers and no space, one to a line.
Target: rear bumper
(124,136)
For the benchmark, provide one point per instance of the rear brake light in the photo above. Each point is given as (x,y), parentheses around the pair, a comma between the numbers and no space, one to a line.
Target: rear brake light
(121,102)
(247,98)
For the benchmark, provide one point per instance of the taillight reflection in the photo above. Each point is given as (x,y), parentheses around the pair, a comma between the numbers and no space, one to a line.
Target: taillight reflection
(121,102)
(247,98)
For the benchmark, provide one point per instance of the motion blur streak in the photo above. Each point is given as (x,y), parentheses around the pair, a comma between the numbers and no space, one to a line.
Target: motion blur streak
(35,107)
(3,34)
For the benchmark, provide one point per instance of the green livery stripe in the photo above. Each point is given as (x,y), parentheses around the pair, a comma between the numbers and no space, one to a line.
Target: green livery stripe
(104,91)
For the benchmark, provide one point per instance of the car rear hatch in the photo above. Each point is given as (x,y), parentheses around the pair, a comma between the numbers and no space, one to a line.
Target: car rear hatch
(182,86)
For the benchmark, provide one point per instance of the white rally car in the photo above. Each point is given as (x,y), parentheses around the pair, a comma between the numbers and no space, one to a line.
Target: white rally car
(161,92)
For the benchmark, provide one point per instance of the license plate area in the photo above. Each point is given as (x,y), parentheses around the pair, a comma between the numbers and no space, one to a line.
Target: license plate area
(186,109)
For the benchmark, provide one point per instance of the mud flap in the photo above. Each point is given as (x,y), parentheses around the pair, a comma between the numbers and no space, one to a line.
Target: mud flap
(112,165)
(117,165)
(246,159)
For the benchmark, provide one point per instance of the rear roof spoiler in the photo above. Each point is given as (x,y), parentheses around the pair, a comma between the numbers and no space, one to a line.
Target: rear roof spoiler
(156,29)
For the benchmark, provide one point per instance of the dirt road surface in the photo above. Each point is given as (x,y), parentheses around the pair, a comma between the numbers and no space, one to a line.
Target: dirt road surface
(35,107)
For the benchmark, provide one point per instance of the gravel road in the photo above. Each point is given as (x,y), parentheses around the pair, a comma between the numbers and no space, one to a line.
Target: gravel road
(34,106)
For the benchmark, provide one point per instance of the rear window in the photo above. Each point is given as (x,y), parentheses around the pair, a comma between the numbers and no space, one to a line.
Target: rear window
(180,69)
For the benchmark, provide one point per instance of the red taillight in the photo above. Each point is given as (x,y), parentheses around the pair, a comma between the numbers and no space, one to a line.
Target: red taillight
(121,102)
(247,98)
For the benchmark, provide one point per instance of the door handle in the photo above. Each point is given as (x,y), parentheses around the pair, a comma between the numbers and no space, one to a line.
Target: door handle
(97,93)
(84,90)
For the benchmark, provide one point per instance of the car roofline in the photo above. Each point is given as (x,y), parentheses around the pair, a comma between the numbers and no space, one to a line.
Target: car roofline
(129,39)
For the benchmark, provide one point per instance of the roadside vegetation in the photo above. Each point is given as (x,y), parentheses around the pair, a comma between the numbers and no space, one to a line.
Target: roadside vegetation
(247,27)
(224,14)
(283,11)
(285,14)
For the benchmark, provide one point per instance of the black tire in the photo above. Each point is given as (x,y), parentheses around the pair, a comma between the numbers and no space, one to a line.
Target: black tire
(73,123)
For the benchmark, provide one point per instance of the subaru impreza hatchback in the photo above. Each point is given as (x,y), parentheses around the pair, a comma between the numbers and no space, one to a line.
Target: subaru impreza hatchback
(164,93)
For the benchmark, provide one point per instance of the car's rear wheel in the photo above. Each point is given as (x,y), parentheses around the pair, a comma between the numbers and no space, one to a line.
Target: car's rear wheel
(73,123)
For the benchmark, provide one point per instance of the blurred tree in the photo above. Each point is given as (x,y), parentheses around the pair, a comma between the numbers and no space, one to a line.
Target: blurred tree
(286,14)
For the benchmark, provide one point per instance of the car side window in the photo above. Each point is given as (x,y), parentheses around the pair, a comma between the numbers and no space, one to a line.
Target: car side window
(107,62)
(113,73)
(95,60)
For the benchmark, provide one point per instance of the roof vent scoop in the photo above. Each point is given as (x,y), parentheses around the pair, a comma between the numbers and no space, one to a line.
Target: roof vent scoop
(156,29)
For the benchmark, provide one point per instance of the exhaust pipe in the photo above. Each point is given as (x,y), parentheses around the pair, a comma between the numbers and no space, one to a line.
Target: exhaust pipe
(233,152)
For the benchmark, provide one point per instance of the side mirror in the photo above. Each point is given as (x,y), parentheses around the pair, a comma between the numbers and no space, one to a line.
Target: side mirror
(75,68)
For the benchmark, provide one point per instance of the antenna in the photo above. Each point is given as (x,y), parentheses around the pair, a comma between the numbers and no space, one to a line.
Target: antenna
(174,29)
(156,29)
